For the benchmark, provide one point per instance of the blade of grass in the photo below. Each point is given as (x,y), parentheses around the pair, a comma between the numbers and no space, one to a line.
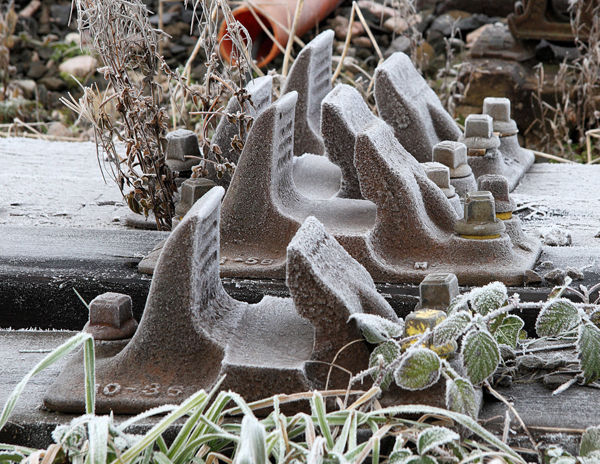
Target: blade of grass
(98,439)
(462,419)
(52,358)
(199,399)
(318,410)
(89,365)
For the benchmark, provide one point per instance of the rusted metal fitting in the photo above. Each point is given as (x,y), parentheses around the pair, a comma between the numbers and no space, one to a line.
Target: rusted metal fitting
(479,135)
(480,221)
(191,191)
(440,176)
(437,290)
(111,317)
(183,151)
(499,110)
(497,185)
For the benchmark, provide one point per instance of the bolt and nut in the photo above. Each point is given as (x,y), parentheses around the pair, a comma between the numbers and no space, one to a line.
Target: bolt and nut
(499,110)
(454,156)
(479,135)
(111,317)
(480,221)
(191,191)
(440,176)
(437,290)
(497,185)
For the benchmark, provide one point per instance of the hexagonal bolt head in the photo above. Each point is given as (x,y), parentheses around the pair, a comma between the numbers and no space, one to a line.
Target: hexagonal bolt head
(454,155)
(497,185)
(191,191)
(437,290)
(111,317)
(480,217)
(479,125)
(182,143)
(499,110)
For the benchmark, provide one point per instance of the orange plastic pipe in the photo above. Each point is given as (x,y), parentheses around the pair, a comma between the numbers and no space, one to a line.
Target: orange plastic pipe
(277,16)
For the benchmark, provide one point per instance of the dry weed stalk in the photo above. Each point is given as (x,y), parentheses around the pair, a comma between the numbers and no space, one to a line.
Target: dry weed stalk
(408,10)
(120,33)
(8,22)
(576,91)
(221,82)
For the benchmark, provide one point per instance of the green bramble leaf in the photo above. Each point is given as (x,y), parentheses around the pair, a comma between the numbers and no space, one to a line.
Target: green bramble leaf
(481,355)
(389,351)
(420,368)
(399,456)
(451,328)
(435,436)
(489,298)
(11,457)
(556,317)
(459,303)
(461,397)
(588,347)
(590,441)
(377,329)
(508,332)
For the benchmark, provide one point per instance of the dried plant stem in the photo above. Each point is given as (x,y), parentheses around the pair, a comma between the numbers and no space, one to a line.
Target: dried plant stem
(265,28)
(338,69)
(517,416)
(368,30)
(288,48)
(270,17)
(552,157)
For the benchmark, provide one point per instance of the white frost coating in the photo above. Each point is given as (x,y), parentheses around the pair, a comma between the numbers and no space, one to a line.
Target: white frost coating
(411,107)
(488,298)
(556,236)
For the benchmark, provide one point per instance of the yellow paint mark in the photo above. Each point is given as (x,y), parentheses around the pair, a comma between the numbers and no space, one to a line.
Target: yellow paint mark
(481,237)
(504,216)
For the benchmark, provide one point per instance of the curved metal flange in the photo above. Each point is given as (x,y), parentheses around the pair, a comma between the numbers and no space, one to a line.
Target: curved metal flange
(192,333)
(407,103)
(405,221)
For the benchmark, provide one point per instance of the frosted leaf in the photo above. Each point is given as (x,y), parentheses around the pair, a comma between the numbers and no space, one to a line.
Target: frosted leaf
(459,303)
(420,368)
(389,351)
(399,456)
(481,355)
(489,298)
(588,347)
(557,317)
(253,443)
(556,455)
(420,460)
(508,332)
(460,397)
(590,441)
(435,436)
(377,329)
(451,328)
